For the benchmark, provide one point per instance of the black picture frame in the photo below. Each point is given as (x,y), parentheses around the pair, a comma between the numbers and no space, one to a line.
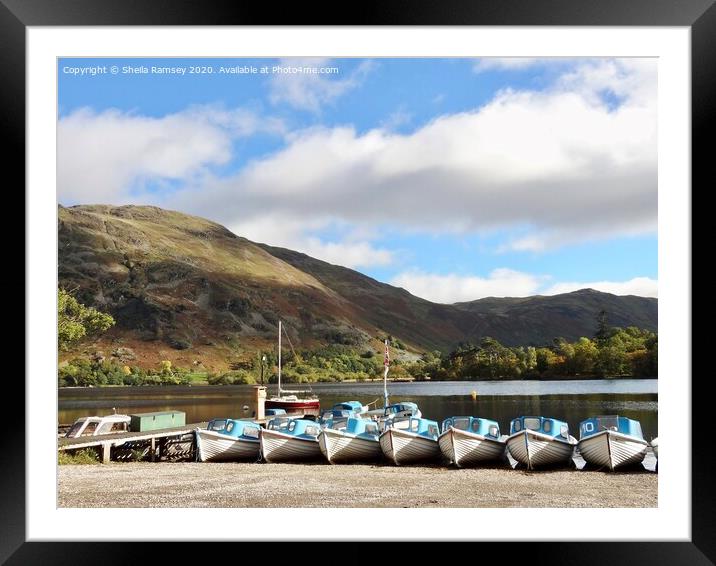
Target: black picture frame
(698,15)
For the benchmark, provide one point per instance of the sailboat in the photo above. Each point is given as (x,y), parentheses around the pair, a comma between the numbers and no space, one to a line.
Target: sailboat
(288,400)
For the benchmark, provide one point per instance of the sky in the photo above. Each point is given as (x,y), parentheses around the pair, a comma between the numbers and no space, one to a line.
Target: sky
(456,179)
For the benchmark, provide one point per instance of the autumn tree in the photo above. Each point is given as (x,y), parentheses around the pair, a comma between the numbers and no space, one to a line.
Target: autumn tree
(75,320)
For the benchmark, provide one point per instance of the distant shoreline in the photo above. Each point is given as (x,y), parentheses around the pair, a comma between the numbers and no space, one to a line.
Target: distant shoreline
(356,381)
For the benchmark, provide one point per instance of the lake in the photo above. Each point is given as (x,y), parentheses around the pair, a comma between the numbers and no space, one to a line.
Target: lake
(571,401)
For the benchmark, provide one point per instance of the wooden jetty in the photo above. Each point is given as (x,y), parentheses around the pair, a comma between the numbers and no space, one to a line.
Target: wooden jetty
(167,443)
(157,441)
(177,441)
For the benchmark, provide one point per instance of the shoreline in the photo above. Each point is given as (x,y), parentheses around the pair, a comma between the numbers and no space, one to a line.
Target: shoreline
(251,485)
(356,382)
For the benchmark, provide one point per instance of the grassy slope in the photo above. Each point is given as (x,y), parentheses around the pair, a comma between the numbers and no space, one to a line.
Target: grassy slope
(186,289)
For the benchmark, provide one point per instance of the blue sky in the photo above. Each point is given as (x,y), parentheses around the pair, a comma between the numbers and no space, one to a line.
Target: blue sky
(454,178)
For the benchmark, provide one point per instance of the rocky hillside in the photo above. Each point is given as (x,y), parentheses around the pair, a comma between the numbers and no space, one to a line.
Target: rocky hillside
(186,289)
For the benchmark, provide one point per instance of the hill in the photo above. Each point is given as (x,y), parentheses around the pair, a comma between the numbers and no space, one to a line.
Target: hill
(187,289)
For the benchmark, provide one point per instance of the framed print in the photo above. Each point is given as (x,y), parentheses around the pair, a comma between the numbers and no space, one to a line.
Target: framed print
(450,211)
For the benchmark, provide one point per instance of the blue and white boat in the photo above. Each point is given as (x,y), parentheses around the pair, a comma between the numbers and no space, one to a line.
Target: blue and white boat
(338,415)
(409,440)
(655,447)
(356,442)
(401,410)
(228,440)
(275,412)
(290,440)
(467,441)
(540,442)
(353,406)
(612,442)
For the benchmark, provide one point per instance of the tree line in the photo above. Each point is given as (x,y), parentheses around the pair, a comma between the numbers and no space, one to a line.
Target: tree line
(611,352)
(627,352)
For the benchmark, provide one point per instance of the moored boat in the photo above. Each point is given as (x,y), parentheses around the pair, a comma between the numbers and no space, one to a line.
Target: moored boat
(411,440)
(402,410)
(96,425)
(337,416)
(655,447)
(274,412)
(611,441)
(353,406)
(293,404)
(467,441)
(228,440)
(356,442)
(290,440)
(288,400)
(540,442)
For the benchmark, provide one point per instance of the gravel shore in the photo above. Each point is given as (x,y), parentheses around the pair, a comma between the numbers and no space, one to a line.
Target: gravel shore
(191,484)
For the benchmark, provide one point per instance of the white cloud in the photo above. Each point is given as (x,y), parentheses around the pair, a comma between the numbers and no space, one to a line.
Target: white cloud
(106,157)
(354,250)
(310,91)
(347,254)
(505,63)
(483,64)
(631,79)
(563,163)
(401,117)
(546,239)
(457,288)
(508,283)
(641,286)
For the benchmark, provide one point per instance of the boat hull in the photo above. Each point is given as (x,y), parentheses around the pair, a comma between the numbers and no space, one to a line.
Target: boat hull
(404,447)
(215,447)
(655,447)
(464,448)
(612,449)
(280,447)
(339,447)
(536,450)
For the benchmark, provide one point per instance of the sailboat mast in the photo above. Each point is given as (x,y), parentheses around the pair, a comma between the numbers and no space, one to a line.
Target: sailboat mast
(279,358)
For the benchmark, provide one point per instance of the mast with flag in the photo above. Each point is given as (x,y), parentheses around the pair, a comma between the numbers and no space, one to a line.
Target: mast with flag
(386,363)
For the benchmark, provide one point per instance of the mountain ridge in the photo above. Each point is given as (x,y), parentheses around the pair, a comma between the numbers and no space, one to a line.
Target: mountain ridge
(188,289)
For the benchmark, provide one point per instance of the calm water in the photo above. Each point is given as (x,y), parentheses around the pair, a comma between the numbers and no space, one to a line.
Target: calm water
(571,401)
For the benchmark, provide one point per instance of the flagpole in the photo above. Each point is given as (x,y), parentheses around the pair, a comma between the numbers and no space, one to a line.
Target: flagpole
(386,363)
(279,358)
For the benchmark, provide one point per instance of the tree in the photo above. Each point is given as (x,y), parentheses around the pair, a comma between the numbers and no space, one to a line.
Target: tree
(75,320)
(565,352)
(545,360)
(612,360)
(603,328)
(585,356)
